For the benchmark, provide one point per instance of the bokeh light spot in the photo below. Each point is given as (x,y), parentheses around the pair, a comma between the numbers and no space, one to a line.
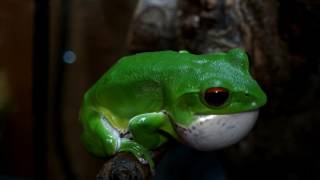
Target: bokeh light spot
(69,57)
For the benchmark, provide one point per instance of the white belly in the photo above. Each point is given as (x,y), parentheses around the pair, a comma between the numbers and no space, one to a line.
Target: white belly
(210,132)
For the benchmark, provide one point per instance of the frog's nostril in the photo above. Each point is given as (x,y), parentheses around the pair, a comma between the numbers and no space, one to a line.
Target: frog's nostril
(246,93)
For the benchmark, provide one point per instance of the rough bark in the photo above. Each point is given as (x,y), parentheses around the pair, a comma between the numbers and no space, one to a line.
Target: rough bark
(123,166)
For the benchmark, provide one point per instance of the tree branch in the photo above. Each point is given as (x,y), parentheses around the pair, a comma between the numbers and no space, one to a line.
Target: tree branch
(123,166)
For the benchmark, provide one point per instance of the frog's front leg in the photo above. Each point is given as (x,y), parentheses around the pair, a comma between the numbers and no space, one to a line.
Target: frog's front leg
(146,129)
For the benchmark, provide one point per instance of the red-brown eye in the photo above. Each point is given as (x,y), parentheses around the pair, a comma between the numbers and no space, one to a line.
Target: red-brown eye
(216,96)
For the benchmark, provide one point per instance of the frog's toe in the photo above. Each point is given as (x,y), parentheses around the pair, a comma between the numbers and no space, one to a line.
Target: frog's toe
(141,153)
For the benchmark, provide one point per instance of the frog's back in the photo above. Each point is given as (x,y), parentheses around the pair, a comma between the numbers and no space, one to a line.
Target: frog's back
(134,84)
(150,62)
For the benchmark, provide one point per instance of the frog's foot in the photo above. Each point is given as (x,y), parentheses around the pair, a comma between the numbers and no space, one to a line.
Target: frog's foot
(141,153)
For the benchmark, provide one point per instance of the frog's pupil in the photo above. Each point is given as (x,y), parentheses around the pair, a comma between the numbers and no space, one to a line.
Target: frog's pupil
(216,96)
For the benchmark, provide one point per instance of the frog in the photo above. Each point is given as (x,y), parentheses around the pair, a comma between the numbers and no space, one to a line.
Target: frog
(207,101)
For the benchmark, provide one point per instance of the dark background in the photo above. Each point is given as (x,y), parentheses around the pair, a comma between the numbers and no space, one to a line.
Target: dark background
(40,94)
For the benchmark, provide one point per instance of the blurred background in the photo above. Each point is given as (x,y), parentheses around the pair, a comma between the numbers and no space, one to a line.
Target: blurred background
(52,51)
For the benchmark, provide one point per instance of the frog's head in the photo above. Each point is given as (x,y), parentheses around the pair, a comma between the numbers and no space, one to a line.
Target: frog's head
(222,105)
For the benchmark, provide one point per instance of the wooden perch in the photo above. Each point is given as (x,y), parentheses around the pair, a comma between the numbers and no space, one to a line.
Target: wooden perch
(123,166)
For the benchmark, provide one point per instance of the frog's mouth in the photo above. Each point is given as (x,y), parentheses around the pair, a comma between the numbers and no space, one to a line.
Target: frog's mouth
(210,132)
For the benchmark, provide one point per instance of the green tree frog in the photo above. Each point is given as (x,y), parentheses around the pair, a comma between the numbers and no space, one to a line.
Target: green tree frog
(207,101)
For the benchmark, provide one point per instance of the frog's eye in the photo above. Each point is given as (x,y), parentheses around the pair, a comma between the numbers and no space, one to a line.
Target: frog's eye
(216,96)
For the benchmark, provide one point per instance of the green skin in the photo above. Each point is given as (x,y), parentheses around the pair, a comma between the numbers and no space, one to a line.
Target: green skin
(144,93)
